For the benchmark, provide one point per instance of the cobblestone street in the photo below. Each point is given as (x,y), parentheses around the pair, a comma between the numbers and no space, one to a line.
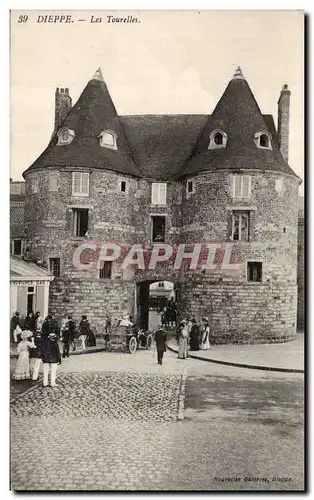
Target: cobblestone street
(114,423)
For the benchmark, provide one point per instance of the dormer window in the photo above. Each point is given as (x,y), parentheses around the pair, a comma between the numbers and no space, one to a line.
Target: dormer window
(65,136)
(108,139)
(217,139)
(263,140)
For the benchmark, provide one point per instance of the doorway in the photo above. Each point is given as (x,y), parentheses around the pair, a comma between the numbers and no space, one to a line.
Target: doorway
(156,303)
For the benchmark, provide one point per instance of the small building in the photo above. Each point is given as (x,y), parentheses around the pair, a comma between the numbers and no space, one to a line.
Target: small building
(29,287)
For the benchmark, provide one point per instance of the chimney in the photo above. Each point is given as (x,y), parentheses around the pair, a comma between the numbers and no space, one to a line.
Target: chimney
(63,104)
(283,121)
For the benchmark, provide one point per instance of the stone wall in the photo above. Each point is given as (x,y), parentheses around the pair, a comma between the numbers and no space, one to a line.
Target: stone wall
(301,271)
(95,298)
(246,313)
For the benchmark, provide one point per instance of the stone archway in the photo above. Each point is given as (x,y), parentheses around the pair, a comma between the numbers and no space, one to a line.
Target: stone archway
(142,298)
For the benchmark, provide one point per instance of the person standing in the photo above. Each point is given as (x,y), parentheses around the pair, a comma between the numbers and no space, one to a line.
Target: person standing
(194,336)
(64,322)
(47,326)
(66,339)
(38,321)
(161,343)
(15,322)
(30,322)
(183,340)
(35,355)
(84,330)
(205,345)
(72,329)
(51,357)
(22,370)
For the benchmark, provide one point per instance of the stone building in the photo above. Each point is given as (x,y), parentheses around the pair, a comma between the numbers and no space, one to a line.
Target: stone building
(222,179)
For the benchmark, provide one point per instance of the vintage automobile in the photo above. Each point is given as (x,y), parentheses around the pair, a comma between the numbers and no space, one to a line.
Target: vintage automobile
(128,339)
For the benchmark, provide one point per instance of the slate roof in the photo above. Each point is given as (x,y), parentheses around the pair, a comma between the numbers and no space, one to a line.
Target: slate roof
(93,113)
(162,143)
(238,115)
(164,147)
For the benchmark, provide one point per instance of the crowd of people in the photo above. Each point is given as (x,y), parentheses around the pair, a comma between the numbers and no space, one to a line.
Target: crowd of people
(38,342)
(189,334)
(192,335)
(169,314)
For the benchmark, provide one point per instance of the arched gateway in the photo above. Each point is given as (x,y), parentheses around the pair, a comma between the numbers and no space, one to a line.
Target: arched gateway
(150,301)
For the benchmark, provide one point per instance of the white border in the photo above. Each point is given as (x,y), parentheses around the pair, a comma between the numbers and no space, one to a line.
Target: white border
(4,195)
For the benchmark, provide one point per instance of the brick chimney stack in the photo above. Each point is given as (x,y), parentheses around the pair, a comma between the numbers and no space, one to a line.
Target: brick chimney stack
(63,104)
(283,121)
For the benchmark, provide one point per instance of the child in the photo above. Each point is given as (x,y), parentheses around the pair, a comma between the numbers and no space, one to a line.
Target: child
(22,365)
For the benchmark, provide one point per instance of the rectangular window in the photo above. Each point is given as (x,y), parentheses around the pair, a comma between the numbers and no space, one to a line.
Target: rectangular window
(80,221)
(254,271)
(123,186)
(53,182)
(105,270)
(35,186)
(17,247)
(240,226)
(159,193)
(80,184)
(190,186)
(55,266)
(31,291)
(158,228)
(241,186)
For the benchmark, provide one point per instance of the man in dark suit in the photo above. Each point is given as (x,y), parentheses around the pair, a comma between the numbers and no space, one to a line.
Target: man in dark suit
(161,344)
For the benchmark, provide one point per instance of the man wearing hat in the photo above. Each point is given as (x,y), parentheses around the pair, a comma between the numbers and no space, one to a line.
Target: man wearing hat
(161,343)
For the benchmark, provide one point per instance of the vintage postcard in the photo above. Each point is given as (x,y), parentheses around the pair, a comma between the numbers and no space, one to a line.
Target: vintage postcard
(157,249)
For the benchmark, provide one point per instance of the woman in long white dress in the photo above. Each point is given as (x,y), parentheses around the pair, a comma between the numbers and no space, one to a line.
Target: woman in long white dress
(22,370)
(205,345)
(183,340)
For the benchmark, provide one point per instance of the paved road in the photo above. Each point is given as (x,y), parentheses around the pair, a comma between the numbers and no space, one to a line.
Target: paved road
(113,423)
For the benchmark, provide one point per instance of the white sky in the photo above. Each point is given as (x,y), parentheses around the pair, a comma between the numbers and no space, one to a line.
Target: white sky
(170,62)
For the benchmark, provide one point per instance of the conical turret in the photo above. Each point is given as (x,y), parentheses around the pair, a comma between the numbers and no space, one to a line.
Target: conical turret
(239,119)
(93,114)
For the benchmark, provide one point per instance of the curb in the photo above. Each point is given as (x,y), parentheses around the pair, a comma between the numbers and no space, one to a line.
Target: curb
(241,365)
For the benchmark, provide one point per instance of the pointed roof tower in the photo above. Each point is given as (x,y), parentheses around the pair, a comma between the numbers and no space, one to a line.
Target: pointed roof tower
(93,113)
(98,76)
(237,114)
